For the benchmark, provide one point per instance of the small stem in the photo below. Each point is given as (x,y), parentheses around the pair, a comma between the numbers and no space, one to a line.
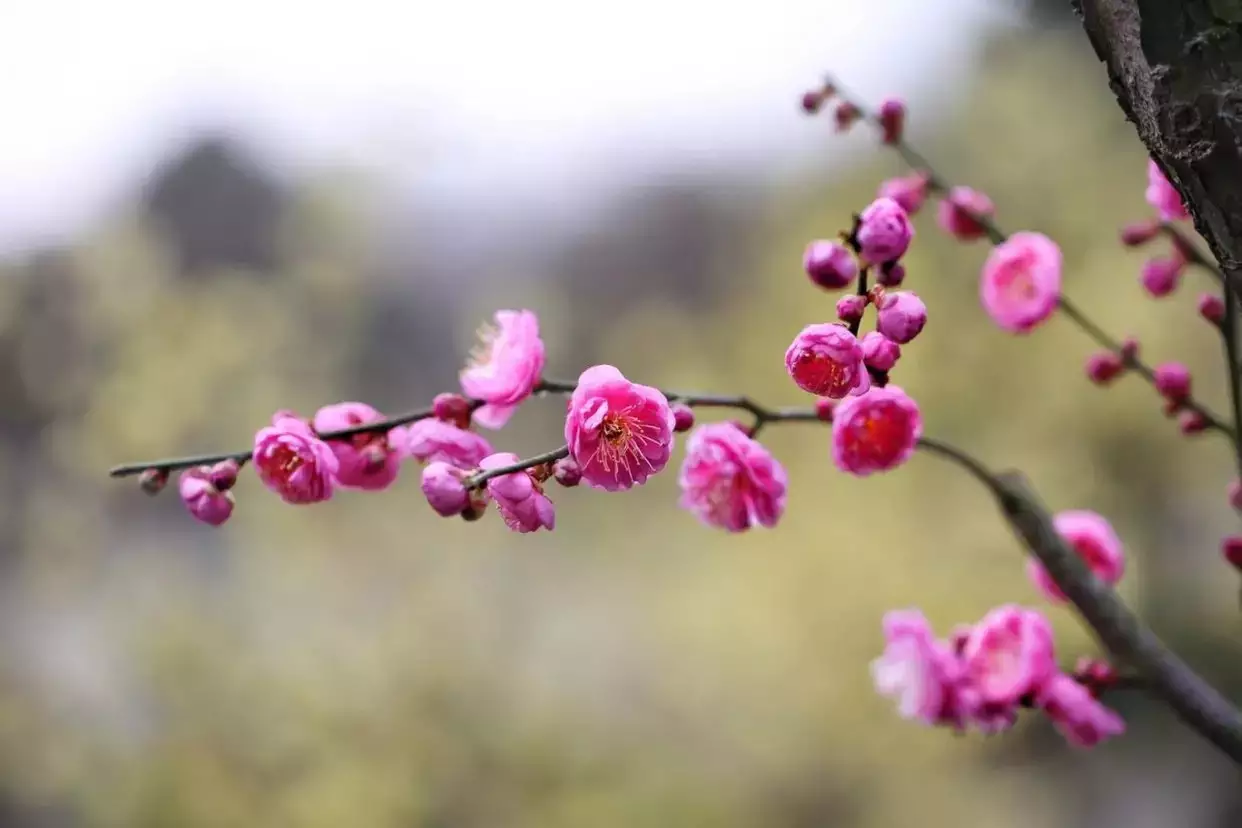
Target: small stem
(856,325)
(477,480)
(1229,333)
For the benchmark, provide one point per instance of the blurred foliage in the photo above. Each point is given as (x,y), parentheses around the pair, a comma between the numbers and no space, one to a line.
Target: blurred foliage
(362,663)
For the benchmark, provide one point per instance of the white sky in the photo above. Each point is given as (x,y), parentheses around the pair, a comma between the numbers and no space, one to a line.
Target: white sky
(499,98)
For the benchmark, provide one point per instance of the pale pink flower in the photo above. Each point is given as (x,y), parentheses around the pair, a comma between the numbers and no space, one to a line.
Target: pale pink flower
(1163,196)
(368,461)
(729,480)
(1093,539)
(884,231)
(430,440)
(443,486)
(1078,715)
(875,432)
(962,212)
(203,500)
(915,670)
(901,316)
(506,367)
(826,360)
(1020,285)
(292,461)
(519,497)
(1009,654)
(620,433)
(910,191)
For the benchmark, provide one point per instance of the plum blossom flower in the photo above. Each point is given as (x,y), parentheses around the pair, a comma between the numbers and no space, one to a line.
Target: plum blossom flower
(431,440)
(879,352)
(367,461)
(519,497)
(826,360)
(619,432)
(203,500)
(1076,713)
(444,487)
(875,432)
(1009,654)
(1020,285)
(910,191)
(829,265)
(917,671)
(1093,539)
(884,231)
(1162,195)
(901,316)
(892,117)
(960,212)
(506,367)
(729,480)
(292,461)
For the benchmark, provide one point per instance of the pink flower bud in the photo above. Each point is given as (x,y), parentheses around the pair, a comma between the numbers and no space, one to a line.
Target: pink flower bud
(1129,349)
(1093,539)
(1231,549)
(476,507)
(1076,713)
(812,100)
(683,418)
(1172,381)
(1139,233)
(223,475)
(519,497)
(444,488)
(824,408)
(1235,494)
(1191,422)
(850,309)
(830,265)
(902,316)
(827,361)
(1103,367)
(1094,674)
(567,472)
(892,116)
(845,115)
(962,212)
(1161,275)
(153,481)
(1020,285)
(910,191)
(879,352)
(451,408)
(891,274)
(876,431)
(1162,195)
(884,231)
(1212,308)
(202,499)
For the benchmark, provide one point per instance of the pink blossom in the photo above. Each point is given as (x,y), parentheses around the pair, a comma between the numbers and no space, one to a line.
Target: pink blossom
(1021,281)
(1162,195)
(891,275)
(729,480)
(1009,654)
(901,316)
(292,461)
(879,352)
(884,231)
(683,418)
(367,461)
(1231,550)
(910,191)
(826,360)
(443,486)
(850,308)
(1211,307)
(1139,233)
(506,367)
(1161,275)
(876,431)
(203,500)
(452,408)
(567,472)
(1104,366)
(845,115)
(519,497)
(432,440)
(620,433)
(961,211)
(916,670)
(1172,381)
(892,117)
(1077,714)
(1093,539)
(830,265)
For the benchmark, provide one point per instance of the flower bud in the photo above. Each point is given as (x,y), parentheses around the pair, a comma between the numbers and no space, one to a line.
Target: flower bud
(683,418)
(153,481)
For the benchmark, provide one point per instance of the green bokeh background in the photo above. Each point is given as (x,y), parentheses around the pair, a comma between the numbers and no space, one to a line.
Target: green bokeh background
(363,663)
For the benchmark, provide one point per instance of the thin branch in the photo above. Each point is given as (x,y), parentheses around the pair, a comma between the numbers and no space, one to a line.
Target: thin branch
(940,186)
(477,480)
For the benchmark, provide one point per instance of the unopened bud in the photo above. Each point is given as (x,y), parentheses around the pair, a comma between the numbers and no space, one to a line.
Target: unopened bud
(223,475)
(153,481)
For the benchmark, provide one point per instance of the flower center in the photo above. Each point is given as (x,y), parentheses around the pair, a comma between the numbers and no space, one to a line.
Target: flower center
(482,353)
(877,435)
(824,375)
(623,439)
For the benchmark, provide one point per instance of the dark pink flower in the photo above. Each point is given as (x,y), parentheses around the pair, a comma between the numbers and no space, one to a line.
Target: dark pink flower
(826,360)
(901,316)
(1009,654)
(366,461)
(879,352)
(620,433)
(1093,538)
(884,231)
(292,461)
(432,440)
(1076,713)
(729,480)
(1161,275)
(1162,195)
(203,500)
(830,265)
(519,497)
(892,117)
(961,212)
(917,671)
(506,367)
(443,486)
(876,431)
(1020,285)
(1172,381)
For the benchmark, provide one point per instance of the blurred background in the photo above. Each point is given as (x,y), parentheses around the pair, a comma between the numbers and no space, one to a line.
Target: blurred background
(212,211)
